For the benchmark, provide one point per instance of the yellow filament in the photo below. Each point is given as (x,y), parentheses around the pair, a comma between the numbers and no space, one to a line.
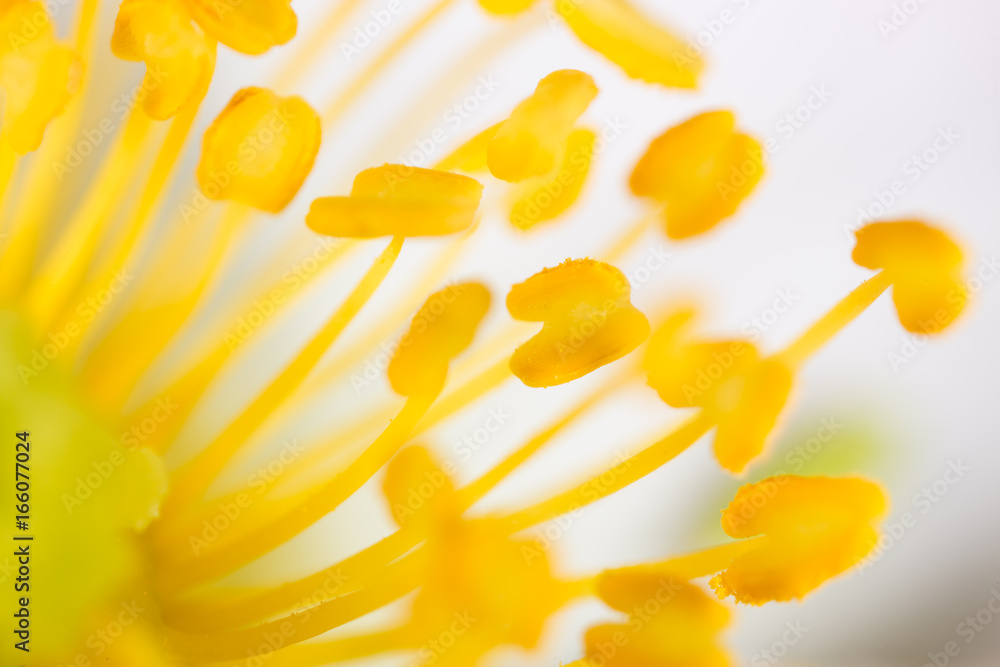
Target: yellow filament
(292,73)
(212,613)
(631,235)
(632,470)
(703,563)
(315,654)
(110,388)
(8,158)
(193,480)
(66,266)
(471,493)
(384,59)
(394,319)
(397,580)
(839,317)
(233,550)
(241,610)
(138,218)
(21,252)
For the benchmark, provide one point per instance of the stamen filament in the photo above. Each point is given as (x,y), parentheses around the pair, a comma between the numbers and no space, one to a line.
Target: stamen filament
(193,480)
(237,547)
(121,248)
(383,60)
(187,389)
(213,613)
(624,474)
(839,317)
(242,610)
(703,563)
(110,384)
(397,580)
(66,266)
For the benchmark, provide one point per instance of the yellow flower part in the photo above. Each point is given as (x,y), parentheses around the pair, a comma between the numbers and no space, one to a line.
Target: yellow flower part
(38,76)
(440,330)
(530,141)
(398,200)
(814,528)
(743,393)
(179,58)
(470,157)
(85,493)
(588,322)
(505,7)
(510,606)
(474,613)
(671,622)
(925,267)
(249,26)
(259,150)
(418,491)
(550,196)
(633,41)
(702,170)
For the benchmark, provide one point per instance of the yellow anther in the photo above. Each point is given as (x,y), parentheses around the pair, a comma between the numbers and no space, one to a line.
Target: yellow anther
(179,57)
(588,322)
(553,194)
(702,170)
(249,26)
(38,76)
(671,622)
(633,41)
(259,150)
(814,528)
(401,201)
(529,142)
(441,329)
(743,393)
(925,267)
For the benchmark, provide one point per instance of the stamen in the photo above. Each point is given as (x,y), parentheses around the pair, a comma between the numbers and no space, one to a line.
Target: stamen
(820,333)
(396,581)
(193,480)
(67,265)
